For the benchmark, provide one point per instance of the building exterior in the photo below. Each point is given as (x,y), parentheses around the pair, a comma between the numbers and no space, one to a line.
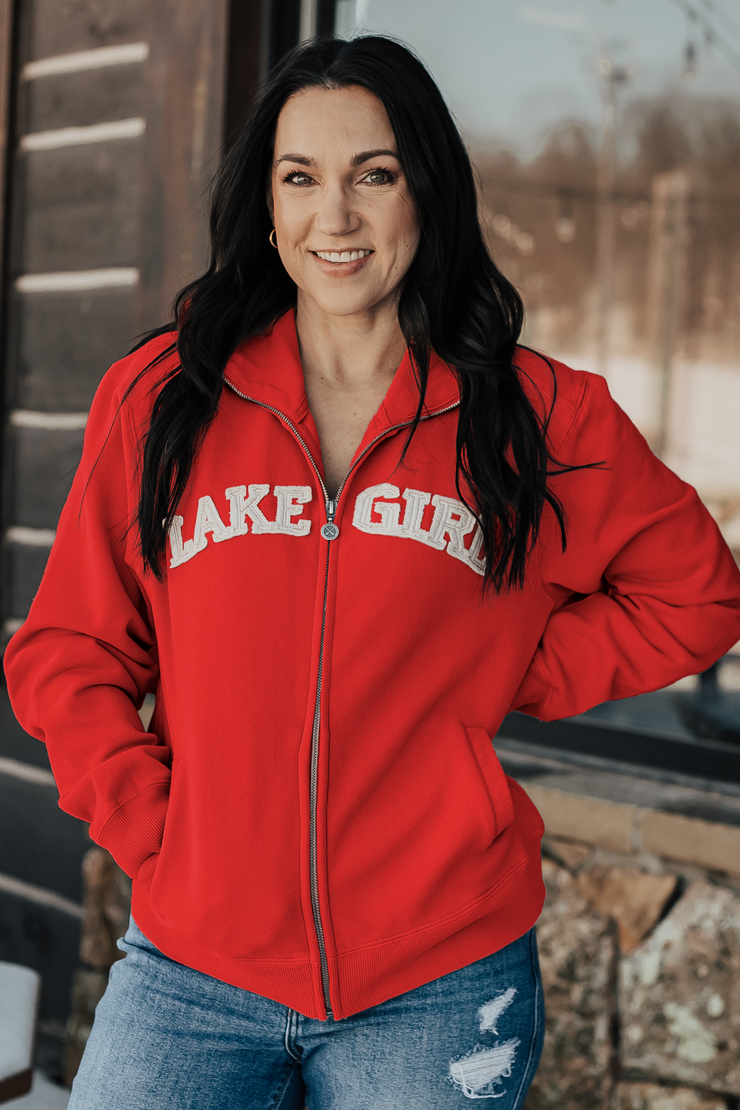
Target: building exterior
(113,115)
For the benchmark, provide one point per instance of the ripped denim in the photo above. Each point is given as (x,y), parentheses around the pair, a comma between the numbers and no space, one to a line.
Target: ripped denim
(166,1037)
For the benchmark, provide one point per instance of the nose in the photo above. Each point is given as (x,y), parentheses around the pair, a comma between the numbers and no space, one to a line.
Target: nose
(337,214)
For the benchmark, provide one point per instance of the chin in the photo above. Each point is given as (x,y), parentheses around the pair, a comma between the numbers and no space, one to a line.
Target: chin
(345,306)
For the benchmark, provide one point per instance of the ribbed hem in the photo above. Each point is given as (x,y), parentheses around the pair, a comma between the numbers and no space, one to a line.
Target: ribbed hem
(368,976)
(294,983)
(134,832)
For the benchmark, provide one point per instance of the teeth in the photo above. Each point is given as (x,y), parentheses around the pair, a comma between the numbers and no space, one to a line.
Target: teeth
(343,256)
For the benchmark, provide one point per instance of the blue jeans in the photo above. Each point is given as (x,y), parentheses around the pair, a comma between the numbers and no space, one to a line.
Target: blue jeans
(166,1037)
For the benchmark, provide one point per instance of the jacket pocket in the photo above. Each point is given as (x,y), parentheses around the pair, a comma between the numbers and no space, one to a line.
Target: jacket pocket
(171,831)
(494,778)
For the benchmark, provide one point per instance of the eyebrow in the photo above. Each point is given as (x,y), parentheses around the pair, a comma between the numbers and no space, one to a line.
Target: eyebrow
(357,159)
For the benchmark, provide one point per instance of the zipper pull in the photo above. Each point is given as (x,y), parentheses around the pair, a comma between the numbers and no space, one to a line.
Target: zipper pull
(330,531)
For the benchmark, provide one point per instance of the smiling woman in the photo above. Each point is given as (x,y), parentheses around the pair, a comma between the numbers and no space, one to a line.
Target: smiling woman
(335,883)
(347,232)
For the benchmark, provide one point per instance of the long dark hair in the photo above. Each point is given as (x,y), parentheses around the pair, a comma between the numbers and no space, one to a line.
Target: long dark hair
(454,301)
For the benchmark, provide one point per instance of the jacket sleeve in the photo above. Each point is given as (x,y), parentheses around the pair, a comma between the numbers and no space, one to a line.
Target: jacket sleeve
(80,665)
(646,592)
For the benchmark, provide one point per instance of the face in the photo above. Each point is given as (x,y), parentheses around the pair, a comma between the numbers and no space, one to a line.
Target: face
(346,224)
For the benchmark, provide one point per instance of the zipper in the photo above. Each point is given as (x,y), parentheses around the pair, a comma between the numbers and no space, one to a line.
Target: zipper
(313,854)
(329,531)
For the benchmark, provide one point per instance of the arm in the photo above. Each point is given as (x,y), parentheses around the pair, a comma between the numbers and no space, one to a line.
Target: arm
(81,664)
(647,591)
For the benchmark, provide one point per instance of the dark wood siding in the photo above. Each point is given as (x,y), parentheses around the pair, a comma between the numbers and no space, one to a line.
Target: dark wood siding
(53,27)
(81,207)
(62,343)
(75,207)
(80,99)
(131,209)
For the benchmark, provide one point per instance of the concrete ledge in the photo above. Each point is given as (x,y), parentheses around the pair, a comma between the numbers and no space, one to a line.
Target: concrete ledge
(691,840)
(630,815)
(607,825)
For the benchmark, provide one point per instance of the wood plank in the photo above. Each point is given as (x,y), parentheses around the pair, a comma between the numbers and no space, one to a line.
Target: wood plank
(44,466)
(81,208)
(105,172)
(80,99)
(63,343)
(39,843)
(186,75)
(63,26)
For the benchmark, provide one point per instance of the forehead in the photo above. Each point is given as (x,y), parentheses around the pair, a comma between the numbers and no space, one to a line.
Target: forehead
(333,122)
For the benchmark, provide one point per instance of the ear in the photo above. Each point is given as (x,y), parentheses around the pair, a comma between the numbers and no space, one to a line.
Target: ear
(270,205)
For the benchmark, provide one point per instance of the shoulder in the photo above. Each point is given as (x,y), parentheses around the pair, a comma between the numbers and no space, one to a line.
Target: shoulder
(121,408)
(561,396)
(132,382)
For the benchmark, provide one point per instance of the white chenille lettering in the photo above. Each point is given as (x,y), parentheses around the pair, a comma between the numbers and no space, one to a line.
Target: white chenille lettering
(243,504)
(451,518)
(451,523)
(389,513)
(177,547)
(208,520)
(378,510)
(290,502)
(236,496)
(260,523)
(416,502)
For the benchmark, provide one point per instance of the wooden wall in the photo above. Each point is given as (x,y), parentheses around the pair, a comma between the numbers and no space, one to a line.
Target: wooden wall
(73,253)
(115,114)
(114,110)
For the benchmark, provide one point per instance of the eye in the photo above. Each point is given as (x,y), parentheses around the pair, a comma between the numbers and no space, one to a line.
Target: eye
(297,178)
(379,176)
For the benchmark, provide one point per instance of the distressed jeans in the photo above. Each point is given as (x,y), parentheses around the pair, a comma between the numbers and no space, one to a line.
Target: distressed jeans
(166,1037)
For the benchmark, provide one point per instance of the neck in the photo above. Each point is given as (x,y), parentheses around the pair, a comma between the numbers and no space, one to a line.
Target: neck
(348,351)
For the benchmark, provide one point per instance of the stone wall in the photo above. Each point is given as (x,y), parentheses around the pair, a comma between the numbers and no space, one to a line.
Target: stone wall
(639,945)
(643,1010)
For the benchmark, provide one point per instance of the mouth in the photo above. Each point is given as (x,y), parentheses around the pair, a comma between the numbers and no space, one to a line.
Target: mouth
(340,257)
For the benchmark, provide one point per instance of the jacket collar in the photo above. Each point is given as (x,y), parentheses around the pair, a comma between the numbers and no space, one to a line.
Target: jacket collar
(268,370)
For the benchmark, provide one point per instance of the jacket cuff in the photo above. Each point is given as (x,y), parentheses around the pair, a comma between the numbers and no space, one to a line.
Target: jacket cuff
(133,834)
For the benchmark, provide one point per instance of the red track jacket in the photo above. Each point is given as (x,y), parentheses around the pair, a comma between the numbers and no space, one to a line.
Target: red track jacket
(317,813)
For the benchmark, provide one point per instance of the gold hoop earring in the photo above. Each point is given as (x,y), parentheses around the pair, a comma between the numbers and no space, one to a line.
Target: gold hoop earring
(273,242)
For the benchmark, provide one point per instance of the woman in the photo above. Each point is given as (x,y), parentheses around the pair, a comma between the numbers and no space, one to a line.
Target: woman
(341,525)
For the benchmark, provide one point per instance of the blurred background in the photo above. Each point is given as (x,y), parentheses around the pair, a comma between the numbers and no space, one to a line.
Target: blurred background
(606,138)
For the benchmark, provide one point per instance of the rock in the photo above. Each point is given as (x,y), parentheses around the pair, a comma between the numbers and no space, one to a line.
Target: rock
(107,902)
(566,852)
(649,1096)
(578,954)
(633,899)
(680,994)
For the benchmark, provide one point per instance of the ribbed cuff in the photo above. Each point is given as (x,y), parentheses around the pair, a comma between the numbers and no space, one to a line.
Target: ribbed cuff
(134,832)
